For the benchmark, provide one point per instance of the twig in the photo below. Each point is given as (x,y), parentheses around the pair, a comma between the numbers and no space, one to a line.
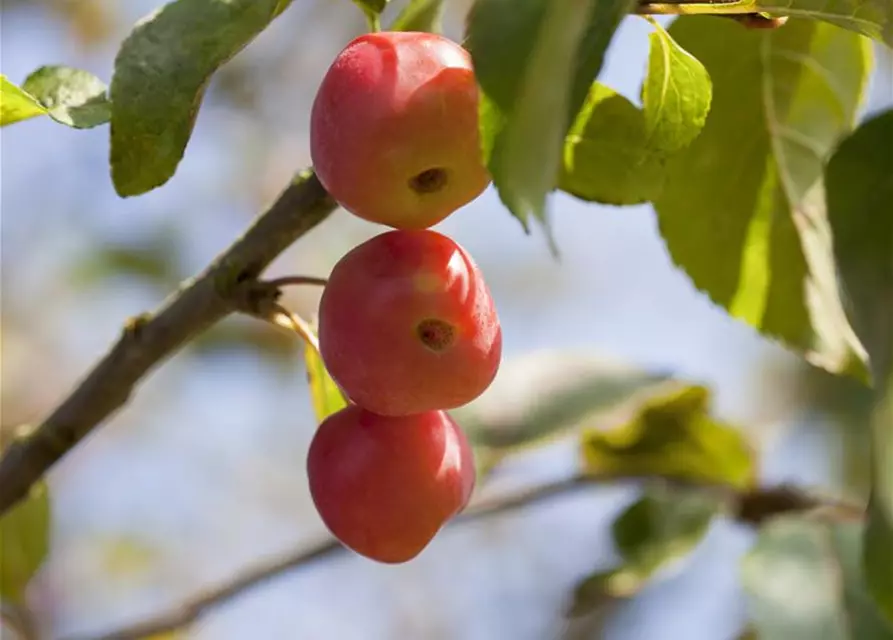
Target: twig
(149,339)
(751,507)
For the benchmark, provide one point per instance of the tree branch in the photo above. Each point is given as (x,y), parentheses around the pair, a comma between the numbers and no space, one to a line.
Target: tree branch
(750,507)
(149,339)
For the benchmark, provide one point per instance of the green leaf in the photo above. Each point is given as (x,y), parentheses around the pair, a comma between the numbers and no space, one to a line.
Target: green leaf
(673,435)
(803,581)
(24,542)
(420,15)
(535,61)
(372,6)
(606,154)
(72,97)
(742,207)
(859,193)
(16,105)
(654,536)
(873,18)
(151,258)
(161,72)
(326,396)
(543,394)
(675,95)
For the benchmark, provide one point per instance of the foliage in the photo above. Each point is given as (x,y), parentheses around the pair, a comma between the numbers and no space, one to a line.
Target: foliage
(859,182)
(673,436)
(767,194)
(24,543)
(803,580)
(654,536)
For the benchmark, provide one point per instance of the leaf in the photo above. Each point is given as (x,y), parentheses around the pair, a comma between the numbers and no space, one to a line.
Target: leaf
(16,105)
(873,18)
(606,153)
(371,6)
(859,192)
(161,72)
(742,207)
(326,396)
(152,258)
(544,393)
(654,536)
(673,435)
(675,95)
(803,581)
(535,61)
(420,15)
(71,96)
(24,542)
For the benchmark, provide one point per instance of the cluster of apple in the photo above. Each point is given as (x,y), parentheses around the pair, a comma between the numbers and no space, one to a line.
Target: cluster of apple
(407,326)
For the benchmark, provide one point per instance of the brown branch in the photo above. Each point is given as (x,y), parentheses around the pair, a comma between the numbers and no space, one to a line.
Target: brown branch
(750,507)
(149,339)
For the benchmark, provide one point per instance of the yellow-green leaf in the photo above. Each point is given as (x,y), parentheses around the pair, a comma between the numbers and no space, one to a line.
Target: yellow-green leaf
(326,395)
(673,435)
(24,542)
(15,104)
(675,95)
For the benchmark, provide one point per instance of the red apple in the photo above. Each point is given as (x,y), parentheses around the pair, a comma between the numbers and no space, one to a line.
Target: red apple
(394,129)
(385,486)
(407,324)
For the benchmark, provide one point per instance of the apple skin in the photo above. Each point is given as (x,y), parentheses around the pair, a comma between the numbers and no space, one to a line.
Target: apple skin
(407,324)
(394,129)
(385,486)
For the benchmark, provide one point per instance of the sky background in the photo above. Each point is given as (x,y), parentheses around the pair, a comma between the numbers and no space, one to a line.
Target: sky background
(203,474)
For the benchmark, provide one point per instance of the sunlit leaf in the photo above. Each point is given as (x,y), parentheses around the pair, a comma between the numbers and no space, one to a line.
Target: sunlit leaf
(326,396)
(607,157)
(675,95)
(742,209)
(15,104)
(673,435)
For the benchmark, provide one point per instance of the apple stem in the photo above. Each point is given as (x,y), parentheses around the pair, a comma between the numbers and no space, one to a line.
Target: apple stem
(282,317)
(373,20)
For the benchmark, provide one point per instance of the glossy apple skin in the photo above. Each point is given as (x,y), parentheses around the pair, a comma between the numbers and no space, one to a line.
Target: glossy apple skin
(385,486)
(391,107)
(407,324)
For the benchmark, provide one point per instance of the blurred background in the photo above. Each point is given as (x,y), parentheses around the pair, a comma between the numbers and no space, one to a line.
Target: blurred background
(203,474)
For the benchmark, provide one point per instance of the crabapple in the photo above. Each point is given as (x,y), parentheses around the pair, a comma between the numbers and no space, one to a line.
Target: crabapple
(407,324)
(384,486)
(394,129)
